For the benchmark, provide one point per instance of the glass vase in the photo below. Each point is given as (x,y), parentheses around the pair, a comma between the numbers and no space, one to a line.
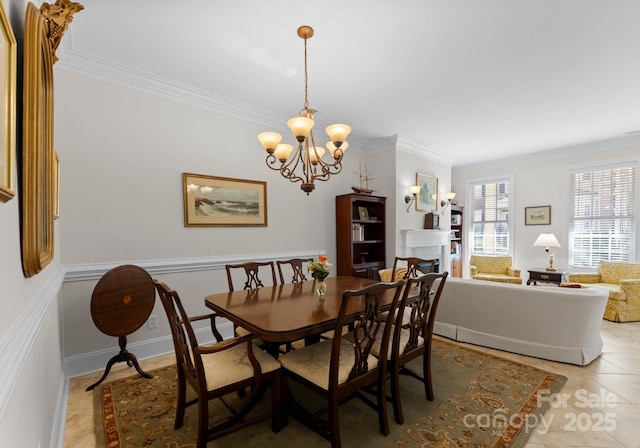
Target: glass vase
(321,289)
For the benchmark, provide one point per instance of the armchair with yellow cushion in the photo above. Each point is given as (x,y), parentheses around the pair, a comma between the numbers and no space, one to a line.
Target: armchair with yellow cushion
(623,282)
(493,268)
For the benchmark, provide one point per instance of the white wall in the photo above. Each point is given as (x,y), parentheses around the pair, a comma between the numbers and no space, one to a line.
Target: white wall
(407,165)
(541,181)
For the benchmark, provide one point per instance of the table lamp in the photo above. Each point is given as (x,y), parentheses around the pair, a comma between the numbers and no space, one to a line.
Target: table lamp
(548,240)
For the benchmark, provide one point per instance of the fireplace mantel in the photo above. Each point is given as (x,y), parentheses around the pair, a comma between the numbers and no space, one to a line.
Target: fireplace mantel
(414,239)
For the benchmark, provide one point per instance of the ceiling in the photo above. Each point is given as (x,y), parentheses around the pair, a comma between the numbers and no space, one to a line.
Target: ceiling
(463,80)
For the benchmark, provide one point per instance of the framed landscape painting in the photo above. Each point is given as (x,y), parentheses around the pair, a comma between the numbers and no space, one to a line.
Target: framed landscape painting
(223,201)
(537,216)
(428,187)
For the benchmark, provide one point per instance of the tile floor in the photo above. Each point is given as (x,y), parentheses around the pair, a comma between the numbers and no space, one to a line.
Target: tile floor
(599,406)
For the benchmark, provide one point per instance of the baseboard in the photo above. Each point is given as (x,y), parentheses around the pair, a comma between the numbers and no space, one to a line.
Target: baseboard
(152,348)
(447,330)
(60,419)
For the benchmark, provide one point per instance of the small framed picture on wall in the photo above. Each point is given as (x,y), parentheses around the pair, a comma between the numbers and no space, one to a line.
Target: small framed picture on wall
(537,216)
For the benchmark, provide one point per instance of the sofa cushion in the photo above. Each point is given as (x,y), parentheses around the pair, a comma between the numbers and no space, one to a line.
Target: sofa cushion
(503,278)
(491,264)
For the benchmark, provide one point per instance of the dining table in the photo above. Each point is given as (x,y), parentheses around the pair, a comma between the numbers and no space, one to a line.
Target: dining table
(290,312)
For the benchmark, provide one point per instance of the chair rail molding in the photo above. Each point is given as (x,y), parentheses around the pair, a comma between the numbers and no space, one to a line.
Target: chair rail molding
(94,271)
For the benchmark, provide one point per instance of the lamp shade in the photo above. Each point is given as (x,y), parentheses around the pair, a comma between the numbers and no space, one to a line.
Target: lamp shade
(282,152)
(332,148)
(315,153)
(338,133)
(270,140)
(414,189)
(547,240)
(300,127)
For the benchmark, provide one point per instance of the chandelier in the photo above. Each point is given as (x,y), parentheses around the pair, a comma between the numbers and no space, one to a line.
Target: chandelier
(306,165)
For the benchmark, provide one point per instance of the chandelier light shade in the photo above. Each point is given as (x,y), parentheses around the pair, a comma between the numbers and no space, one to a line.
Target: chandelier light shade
(548,240)
(306,164)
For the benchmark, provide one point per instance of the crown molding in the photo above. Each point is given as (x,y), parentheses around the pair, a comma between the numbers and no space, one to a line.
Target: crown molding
(555,153)
(412,147)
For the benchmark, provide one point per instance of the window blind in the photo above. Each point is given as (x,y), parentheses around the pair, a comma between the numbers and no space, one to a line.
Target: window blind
(490,217)
(602,216)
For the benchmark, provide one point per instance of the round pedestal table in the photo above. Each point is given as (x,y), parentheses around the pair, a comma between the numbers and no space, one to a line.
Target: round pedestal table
(121,302)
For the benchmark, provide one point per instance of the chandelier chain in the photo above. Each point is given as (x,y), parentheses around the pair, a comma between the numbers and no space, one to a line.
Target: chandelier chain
(306,77)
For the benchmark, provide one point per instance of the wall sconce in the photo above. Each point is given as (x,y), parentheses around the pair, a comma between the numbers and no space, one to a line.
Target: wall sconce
(411,198)
(444,204)
(548,240)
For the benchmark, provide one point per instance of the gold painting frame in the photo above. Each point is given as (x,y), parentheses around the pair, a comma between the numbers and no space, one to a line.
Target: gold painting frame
(37,150)
(8,54)
(223,201)
(425,200)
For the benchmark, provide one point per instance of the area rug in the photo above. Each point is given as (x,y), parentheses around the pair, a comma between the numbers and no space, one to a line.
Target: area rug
(482,400)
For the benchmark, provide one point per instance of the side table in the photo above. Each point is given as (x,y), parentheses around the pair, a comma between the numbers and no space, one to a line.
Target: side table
(543,276)
(121,302)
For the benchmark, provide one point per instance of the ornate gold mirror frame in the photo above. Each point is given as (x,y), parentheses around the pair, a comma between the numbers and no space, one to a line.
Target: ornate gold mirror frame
(43,30)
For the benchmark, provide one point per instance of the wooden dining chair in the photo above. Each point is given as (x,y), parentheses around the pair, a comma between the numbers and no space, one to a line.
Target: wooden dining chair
(414,266)
(297,267)
(409,267)
(215,371)
(412,335)
(252,270)
(338,368)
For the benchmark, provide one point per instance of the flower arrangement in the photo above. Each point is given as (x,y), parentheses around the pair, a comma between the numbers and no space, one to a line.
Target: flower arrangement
(319,269)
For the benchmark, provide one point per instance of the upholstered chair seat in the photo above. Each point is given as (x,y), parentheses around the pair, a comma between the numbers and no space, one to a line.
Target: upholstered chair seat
(494,268)
(313,362)
(237,366)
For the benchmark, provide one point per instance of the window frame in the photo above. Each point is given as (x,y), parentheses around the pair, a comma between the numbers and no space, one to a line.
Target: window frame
(470,212)
(597,167)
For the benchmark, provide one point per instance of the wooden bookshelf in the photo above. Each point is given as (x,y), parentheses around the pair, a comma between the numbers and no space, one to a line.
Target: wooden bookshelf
(360,235)
(457,214)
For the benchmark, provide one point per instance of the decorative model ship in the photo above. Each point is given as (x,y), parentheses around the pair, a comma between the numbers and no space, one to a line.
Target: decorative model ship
(364,182)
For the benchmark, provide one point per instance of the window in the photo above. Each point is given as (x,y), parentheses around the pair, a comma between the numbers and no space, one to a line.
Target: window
(490,207)
(602,215)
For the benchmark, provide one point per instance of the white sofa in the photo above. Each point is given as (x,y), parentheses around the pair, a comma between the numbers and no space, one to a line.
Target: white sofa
(559,324)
